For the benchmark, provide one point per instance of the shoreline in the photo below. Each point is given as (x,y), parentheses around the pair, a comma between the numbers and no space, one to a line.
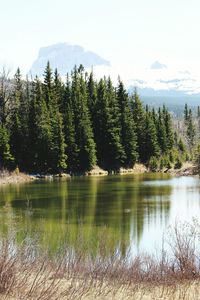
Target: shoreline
(188,169)
(14,178)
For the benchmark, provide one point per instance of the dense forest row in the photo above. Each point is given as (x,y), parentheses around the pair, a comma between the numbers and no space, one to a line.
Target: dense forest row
(51,126)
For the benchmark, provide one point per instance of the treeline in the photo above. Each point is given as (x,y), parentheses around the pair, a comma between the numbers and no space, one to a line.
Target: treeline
(51,126)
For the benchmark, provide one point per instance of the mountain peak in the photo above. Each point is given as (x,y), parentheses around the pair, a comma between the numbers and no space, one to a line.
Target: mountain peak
(64,57)
(158,66)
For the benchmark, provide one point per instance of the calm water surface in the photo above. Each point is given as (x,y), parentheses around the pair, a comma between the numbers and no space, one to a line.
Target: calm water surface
(122,211)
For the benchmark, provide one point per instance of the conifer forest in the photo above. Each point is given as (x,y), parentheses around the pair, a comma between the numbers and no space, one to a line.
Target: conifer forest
(50,126)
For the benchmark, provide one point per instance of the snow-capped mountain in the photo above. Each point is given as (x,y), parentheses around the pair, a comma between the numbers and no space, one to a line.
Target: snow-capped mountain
(159,80)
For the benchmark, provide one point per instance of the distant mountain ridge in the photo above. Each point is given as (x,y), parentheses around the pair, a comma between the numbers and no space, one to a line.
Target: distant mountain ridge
(64,57)
(171,93)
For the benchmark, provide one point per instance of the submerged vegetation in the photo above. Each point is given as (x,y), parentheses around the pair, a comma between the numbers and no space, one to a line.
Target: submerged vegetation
(51,126)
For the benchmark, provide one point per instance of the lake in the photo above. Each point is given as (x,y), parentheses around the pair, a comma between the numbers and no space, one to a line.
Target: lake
(118,212)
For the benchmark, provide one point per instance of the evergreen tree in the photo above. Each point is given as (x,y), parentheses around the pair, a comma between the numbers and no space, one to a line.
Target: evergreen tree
(110,151)
(198,123)
(197,158)
(6,159)
(18,122)
(128,136)
(190,129)
(115,147)
(198,112)
(83,130)
(151,147)
(58,157)
(181,145)
(40,131)
(84,122)
(58,91)
(48,85)
(92,96)
(168,129)
(139,120)
(69,128)
(186,114)
(161,132)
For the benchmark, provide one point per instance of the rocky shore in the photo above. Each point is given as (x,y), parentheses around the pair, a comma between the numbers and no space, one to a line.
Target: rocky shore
(188,169)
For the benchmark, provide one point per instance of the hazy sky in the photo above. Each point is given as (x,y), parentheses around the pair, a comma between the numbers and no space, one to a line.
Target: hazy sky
(131,34)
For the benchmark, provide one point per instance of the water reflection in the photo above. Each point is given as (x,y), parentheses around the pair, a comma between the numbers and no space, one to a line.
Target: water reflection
(134,209)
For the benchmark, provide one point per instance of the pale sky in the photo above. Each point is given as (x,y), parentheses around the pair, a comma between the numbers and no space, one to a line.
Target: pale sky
(130,34)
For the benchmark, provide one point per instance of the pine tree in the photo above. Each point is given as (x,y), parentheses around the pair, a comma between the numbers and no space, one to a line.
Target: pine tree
(69,128)
(161,132)
(115,148)
(6,159)
(181,145)
(18,123)
(40,131)
(92,96)
(197,158)
(139,120)
(151,146)
(191,131)
(168,129)
(111,154)
(186,114)
(58,91)
(83,130)
(53,96)
(100,123)
(82,122)
(198,112)
(58,157)
(128,136)
(198,122)
(48,85)
(58,145)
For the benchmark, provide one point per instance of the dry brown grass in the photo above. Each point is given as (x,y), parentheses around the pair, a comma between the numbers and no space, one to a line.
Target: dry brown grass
(7,177)
(26,273)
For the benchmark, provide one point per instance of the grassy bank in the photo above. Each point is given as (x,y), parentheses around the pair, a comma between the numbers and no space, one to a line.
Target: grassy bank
(26,272)
(7,177)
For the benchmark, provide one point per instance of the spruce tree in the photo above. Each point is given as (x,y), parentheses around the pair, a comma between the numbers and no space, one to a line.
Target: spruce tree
(151,146)
(128,136)
(69,129)
(191,131)
(18,123)
(40,130)
(115,148)
(168,129)
(186,114)
(83,130)
(111,154)
(6,159)
(161,132)
(52,93)
(139,120)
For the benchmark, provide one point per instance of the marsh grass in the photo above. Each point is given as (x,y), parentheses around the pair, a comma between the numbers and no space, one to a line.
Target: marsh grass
(28,272)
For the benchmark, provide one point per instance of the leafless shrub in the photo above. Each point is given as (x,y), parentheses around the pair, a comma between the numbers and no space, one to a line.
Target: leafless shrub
(28,273)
